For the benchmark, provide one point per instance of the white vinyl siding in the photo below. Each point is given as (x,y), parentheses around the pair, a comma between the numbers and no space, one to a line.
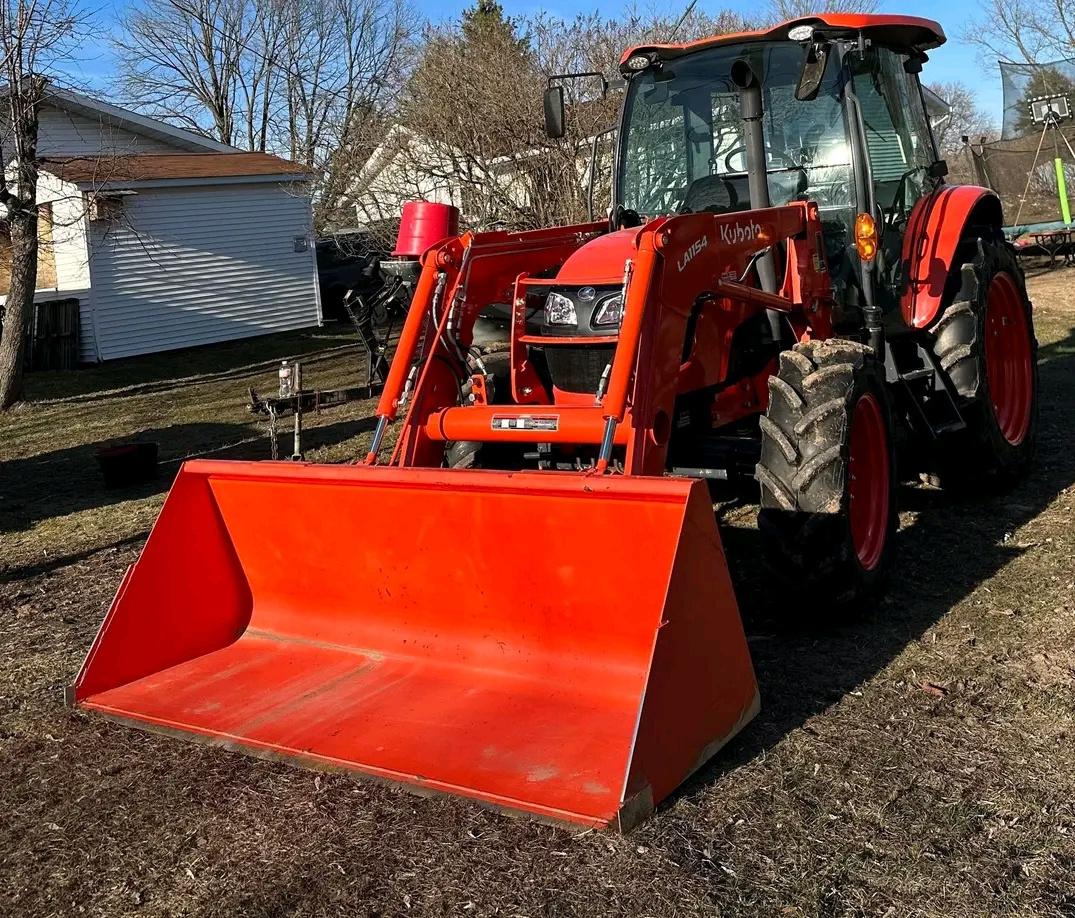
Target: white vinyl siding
(69,247)
(188,266)
(69,244)
(62,133)
(71,251)
(72,264)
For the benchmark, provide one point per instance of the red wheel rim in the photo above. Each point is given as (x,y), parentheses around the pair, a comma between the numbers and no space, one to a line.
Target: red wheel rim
(1008,362)
(868,469)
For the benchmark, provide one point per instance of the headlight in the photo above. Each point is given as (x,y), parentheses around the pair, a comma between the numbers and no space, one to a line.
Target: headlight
(559,310)
(610,312)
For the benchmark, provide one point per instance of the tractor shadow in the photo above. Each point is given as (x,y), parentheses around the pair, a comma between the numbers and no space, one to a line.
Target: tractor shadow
(949,551)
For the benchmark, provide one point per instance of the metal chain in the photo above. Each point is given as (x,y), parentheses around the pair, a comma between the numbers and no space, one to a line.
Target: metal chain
(273,446)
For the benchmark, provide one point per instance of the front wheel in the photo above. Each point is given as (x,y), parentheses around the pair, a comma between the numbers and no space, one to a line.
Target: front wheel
(827,474)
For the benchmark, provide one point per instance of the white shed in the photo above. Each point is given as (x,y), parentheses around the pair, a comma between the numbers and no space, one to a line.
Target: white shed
(166,237)
(170,250)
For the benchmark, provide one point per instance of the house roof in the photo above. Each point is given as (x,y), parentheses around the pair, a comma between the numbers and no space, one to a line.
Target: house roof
(155,168)
(80,104)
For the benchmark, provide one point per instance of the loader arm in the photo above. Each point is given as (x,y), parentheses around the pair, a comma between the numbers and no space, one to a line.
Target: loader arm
(460,277)
(672,269)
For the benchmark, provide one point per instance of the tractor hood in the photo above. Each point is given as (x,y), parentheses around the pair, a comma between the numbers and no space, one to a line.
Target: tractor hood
(601,261)
(587,299)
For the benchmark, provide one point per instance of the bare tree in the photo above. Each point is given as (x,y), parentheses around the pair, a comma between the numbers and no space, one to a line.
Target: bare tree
(1025,31)
(783,10)
(182,59)
(471,128)
(35,35)
(965,118)
(346,61)
(262,76)
(295,77)
(471,110)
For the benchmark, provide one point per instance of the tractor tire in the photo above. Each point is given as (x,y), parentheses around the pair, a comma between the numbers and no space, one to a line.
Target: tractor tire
(828,474)
(468,454)
(984,340)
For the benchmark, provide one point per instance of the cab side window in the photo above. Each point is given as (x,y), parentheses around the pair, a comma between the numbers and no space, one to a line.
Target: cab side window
(899,143)
(897,134)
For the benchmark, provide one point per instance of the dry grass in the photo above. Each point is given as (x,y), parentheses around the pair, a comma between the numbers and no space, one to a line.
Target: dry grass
(918,762)
(193,403)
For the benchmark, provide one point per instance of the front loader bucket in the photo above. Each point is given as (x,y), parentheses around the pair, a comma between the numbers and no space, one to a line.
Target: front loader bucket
(564,645)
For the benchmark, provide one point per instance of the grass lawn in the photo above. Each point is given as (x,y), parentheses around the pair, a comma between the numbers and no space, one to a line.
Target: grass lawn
(53,503)
(918,761)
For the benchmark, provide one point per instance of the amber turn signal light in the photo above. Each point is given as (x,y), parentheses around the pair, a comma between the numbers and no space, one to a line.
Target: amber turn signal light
(866,237)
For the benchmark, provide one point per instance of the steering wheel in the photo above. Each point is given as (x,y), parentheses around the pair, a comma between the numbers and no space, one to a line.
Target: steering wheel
(788,162)
(891,218)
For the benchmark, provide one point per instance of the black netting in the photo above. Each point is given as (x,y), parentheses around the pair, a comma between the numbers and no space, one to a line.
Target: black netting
(1022,172)
(1024,82)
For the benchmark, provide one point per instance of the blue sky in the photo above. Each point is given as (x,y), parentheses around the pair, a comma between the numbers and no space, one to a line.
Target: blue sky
(953,61)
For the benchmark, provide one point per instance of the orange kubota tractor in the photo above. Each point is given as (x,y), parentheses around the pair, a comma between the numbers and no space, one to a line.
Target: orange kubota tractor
(543,618)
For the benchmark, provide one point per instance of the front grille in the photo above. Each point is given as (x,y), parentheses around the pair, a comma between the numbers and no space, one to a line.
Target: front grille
(578,367)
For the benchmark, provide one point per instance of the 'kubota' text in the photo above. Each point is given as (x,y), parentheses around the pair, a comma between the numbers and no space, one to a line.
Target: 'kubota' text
(737,232)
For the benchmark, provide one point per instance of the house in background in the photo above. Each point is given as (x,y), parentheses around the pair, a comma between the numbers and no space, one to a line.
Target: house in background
(167,239)
(406,166)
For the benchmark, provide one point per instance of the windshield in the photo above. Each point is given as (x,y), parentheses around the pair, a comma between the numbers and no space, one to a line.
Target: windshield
(683,143)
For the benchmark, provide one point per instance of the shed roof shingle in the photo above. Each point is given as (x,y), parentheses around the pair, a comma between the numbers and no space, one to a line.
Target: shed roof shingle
(150,167)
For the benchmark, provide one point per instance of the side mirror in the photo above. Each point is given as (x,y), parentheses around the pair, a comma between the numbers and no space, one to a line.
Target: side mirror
(914,63)
(554,112)
(813,72)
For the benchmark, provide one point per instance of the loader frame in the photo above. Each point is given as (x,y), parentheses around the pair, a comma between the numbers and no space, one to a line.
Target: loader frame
(670,275)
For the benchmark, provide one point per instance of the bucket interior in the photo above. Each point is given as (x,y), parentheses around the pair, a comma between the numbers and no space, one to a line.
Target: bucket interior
(483,633)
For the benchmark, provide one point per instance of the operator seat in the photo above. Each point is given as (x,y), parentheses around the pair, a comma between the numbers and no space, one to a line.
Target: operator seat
(710,193)
(721,194)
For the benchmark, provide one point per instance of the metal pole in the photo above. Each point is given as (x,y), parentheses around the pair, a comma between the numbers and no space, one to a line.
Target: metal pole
(297,383)
(1030,174)
(1062,190)
(751,111)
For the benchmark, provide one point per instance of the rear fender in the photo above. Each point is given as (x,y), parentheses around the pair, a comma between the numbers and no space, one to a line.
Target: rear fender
(938,223)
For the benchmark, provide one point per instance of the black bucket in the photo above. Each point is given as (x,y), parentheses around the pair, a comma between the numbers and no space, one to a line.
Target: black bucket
(128,464)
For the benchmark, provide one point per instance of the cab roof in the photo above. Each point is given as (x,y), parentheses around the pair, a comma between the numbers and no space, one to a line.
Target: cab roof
(910,32)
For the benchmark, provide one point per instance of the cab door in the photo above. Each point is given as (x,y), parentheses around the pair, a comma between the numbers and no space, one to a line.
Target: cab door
(900,152)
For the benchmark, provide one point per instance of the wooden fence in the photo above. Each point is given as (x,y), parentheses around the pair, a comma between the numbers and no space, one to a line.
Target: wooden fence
(52,338)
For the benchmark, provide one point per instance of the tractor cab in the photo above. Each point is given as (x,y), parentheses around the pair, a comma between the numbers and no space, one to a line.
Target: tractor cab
(844,125)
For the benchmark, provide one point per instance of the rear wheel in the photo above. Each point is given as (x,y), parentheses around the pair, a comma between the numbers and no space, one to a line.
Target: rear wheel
(827,473)
(985,341)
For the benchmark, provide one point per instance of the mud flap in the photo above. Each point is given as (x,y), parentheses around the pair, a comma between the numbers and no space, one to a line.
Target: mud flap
(564,645)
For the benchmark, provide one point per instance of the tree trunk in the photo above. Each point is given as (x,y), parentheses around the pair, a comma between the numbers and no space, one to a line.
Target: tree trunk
(19,310)
(25,97)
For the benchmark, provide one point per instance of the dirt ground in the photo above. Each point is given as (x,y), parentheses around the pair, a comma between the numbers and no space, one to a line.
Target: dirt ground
(919,761)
